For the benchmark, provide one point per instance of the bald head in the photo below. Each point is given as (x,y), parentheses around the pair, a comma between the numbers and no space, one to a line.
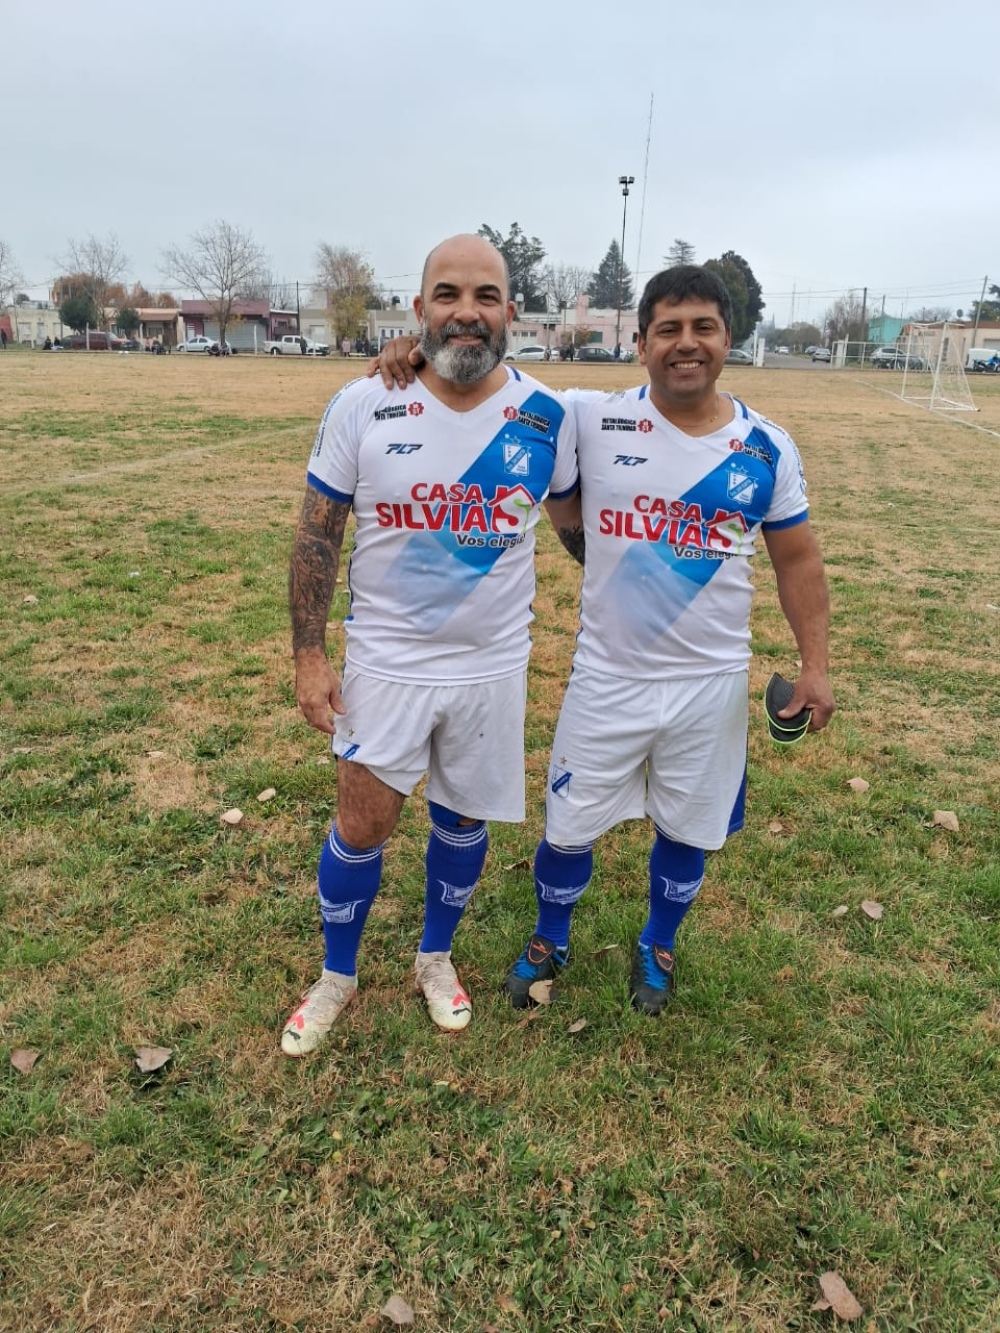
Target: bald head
(466,251)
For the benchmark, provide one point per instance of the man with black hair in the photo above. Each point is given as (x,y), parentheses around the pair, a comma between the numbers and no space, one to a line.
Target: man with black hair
(677,480)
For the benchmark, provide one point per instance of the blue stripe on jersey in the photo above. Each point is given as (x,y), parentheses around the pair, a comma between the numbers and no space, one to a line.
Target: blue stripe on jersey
(657,582)
(792,522)
(436,571)
(322,486)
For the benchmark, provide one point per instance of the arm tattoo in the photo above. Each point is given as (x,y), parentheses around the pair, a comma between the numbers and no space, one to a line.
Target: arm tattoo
(313,573)
(573,540)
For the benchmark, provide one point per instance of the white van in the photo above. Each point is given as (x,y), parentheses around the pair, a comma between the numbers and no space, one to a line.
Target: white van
(982,358)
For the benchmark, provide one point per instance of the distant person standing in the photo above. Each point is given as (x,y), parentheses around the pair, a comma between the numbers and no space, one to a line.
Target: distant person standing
(345,347)
(3,340)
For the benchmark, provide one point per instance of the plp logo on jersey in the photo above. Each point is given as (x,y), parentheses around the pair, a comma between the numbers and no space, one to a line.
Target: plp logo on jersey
(510,414)
(415,409)
(645,425)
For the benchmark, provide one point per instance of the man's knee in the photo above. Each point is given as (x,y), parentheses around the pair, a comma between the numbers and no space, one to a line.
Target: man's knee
(367,809)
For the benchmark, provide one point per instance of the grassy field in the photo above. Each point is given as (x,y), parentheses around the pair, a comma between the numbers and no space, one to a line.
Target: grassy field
(823,1095)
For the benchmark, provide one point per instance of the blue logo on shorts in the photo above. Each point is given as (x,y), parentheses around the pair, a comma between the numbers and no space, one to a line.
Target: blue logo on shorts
(560,781)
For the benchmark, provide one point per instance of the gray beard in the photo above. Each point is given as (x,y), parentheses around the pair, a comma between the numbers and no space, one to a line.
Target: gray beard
(463,364)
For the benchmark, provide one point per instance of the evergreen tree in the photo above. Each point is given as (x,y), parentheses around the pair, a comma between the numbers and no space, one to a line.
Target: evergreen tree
(744,292)
(611,286)
(523,254)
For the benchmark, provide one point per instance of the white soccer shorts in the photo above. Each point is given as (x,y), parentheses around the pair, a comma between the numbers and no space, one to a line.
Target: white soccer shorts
(674,750)
(468,739)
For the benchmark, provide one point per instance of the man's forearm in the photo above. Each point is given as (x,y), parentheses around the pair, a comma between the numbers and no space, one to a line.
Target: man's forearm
(805,602)
(312,574)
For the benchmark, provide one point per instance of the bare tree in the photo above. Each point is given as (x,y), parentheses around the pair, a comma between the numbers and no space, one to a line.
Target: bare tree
(11,278)
(843,319)
(219,263)
(348,283)
(930,314)
(264,286)
(564,284)
(101,264)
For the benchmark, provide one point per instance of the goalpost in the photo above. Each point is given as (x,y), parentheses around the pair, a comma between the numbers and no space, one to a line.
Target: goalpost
(933,374)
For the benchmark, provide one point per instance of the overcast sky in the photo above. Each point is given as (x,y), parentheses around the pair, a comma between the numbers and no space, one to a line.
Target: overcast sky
(833,145)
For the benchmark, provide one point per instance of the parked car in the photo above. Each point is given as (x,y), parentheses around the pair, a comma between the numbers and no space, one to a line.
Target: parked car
(983,359)
(783,351)
(96,341)
(737,357)
(591,352)
(821,354)
(894,358)
(209,345)
(532,353)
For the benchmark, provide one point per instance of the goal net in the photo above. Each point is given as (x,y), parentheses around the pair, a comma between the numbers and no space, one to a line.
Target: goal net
(933,374)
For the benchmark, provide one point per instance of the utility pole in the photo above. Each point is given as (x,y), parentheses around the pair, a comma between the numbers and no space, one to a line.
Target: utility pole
(979,309)
(624,182)
(864,324)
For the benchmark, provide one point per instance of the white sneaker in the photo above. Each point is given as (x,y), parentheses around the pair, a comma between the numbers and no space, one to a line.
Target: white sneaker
(321,1006)
(447,1002)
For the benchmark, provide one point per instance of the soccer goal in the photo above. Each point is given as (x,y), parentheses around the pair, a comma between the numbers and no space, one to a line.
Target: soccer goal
(933,374)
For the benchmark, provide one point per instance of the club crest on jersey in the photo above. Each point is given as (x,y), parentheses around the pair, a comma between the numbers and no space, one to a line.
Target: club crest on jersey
(560,780)
(742,487)
(517,459)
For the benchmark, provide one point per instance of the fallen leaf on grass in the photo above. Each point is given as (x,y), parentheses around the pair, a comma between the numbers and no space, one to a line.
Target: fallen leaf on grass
(24,1061)
(323,759)
(266,794)
(529,1017)
(784,974)
(30,600)
(945,819)
(148,1059)
(858,784)
(397,1310)
(842,910)
(874,910)
(232,817)
(578,1026)
(508,1305)
(156,754)
(518,865)
(776,826)
(606,948)
(838,1297)
(541,991)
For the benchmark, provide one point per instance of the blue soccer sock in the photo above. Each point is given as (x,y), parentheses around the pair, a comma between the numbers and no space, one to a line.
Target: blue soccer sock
(675,875)
(456,853)
(561,876)
(349,879)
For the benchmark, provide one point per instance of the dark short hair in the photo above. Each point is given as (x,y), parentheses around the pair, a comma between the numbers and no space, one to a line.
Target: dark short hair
(684,282)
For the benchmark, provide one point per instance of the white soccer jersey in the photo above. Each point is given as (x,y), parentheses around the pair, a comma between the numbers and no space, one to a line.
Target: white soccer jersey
(670,523)
(442,575)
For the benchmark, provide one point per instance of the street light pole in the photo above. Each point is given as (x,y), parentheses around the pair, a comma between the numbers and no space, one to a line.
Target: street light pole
(624,182)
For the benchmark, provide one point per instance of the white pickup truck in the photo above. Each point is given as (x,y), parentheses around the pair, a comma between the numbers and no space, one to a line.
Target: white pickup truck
(293,344)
